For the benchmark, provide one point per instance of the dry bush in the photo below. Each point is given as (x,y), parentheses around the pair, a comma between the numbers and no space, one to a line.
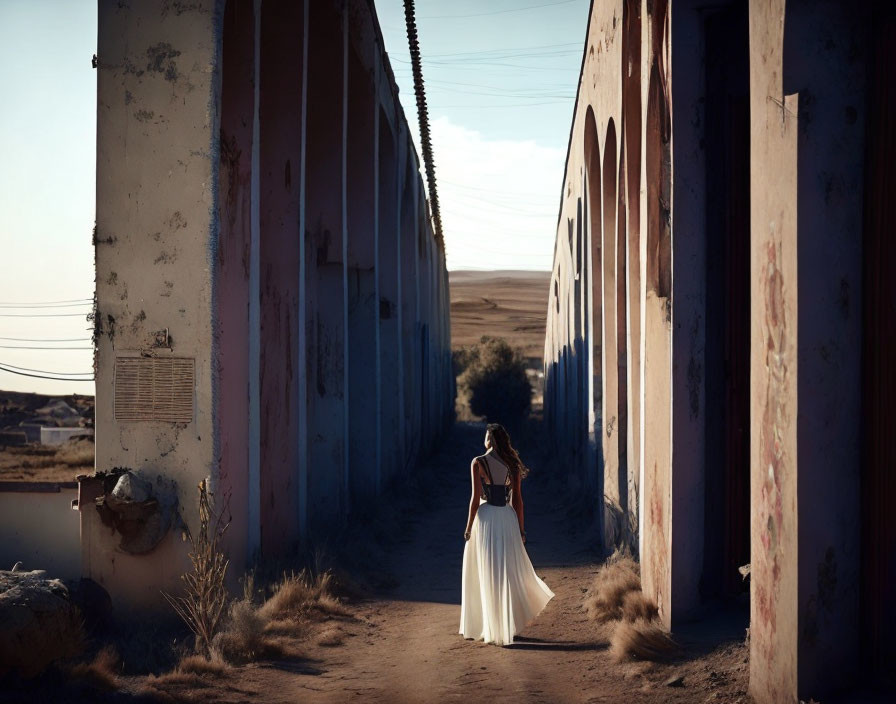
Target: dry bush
(297,595)
(202,606)
(636,606)
(641,640)
(200,665)
(99,673)
(617,577)
(243,637)
(331,637)
(616,597)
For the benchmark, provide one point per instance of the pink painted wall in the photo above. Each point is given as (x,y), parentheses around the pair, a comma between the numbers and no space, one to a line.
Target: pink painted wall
(280,113)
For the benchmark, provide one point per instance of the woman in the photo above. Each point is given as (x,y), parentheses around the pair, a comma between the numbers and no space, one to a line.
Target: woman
(500,592)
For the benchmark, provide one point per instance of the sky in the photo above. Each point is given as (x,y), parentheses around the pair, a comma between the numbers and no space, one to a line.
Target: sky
(500,79)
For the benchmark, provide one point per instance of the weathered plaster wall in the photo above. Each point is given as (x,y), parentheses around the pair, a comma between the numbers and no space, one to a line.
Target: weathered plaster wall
(253,160)
(157,92)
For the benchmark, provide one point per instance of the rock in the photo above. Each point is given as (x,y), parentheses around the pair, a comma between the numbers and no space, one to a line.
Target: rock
(131,487)
(38,623)
(140,510)
(675,681)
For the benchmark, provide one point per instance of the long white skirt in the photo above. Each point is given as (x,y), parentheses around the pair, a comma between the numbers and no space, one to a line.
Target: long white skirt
(500,592)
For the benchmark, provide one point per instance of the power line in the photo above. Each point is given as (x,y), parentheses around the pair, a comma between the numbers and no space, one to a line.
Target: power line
(61,339)
(43,315)
(43,371)
(41,376)
(44,303)
(16,347)
(497,12)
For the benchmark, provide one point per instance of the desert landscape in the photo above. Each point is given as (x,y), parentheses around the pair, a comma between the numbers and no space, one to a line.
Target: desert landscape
(511,304)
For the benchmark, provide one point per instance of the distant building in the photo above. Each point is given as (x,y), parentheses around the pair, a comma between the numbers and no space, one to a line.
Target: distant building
(720,334)
(272,305)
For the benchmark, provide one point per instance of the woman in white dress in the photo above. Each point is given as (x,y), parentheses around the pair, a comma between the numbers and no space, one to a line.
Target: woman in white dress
(500,592)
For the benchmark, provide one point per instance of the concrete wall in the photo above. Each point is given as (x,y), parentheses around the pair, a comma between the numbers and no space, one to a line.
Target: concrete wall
(39,528)
(260,212)
(718,154)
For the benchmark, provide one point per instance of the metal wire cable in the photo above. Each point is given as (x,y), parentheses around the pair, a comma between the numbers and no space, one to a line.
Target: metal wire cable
(43,315)
(31,304)
(24,347)
(42,376)
(44,371)
(50,339)
(423,118)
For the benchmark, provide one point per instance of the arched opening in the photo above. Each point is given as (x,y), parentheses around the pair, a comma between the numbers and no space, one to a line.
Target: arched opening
(595,310)
(622,341)
(631,127)
(726,543)
(615,482)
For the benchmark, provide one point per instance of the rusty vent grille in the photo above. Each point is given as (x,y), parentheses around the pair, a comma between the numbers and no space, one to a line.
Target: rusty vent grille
(154,389)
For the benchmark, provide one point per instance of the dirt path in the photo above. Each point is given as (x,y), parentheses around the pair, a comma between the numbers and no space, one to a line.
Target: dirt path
(403,646)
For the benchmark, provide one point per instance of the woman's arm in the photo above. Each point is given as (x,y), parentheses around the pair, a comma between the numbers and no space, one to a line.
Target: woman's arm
(474,498)
(517,501)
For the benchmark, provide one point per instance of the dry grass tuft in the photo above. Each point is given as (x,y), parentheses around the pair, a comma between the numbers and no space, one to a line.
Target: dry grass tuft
(243,638)
(331,637)
(637,607)
(99,673)
(298,595)
(200,665)
(641,640)
(616,598)
(615,579)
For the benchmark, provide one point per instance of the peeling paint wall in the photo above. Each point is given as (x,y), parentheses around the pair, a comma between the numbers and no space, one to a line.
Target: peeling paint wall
(260,212)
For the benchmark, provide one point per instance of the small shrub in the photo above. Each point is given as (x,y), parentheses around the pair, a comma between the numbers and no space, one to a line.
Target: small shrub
(637,607)
(615,579)
(495,382)
(331,637)
(99,673)
(200,665)
(202,606)
(242,639)
(641,640)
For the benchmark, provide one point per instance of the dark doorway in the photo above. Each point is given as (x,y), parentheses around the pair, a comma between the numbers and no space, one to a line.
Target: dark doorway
(879,379)
(727,143)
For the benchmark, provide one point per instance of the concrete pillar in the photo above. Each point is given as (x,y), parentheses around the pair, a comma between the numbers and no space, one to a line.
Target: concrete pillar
(363,310)
(281,156)
(387,276)
(156,248)
(325,279)
(807,103)
(656,533)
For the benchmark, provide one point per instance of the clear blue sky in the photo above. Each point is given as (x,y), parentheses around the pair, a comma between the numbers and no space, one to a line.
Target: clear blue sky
(501,79)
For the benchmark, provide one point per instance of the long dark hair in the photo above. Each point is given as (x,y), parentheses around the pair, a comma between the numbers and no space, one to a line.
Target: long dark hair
(506,451)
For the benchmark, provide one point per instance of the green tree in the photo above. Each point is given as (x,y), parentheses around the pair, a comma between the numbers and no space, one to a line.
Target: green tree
(495,382)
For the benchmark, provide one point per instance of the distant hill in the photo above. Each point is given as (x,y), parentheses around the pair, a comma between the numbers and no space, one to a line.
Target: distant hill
(507,303)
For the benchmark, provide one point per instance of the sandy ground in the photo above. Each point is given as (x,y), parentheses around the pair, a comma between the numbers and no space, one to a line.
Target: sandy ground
(508,304)
(403,646)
